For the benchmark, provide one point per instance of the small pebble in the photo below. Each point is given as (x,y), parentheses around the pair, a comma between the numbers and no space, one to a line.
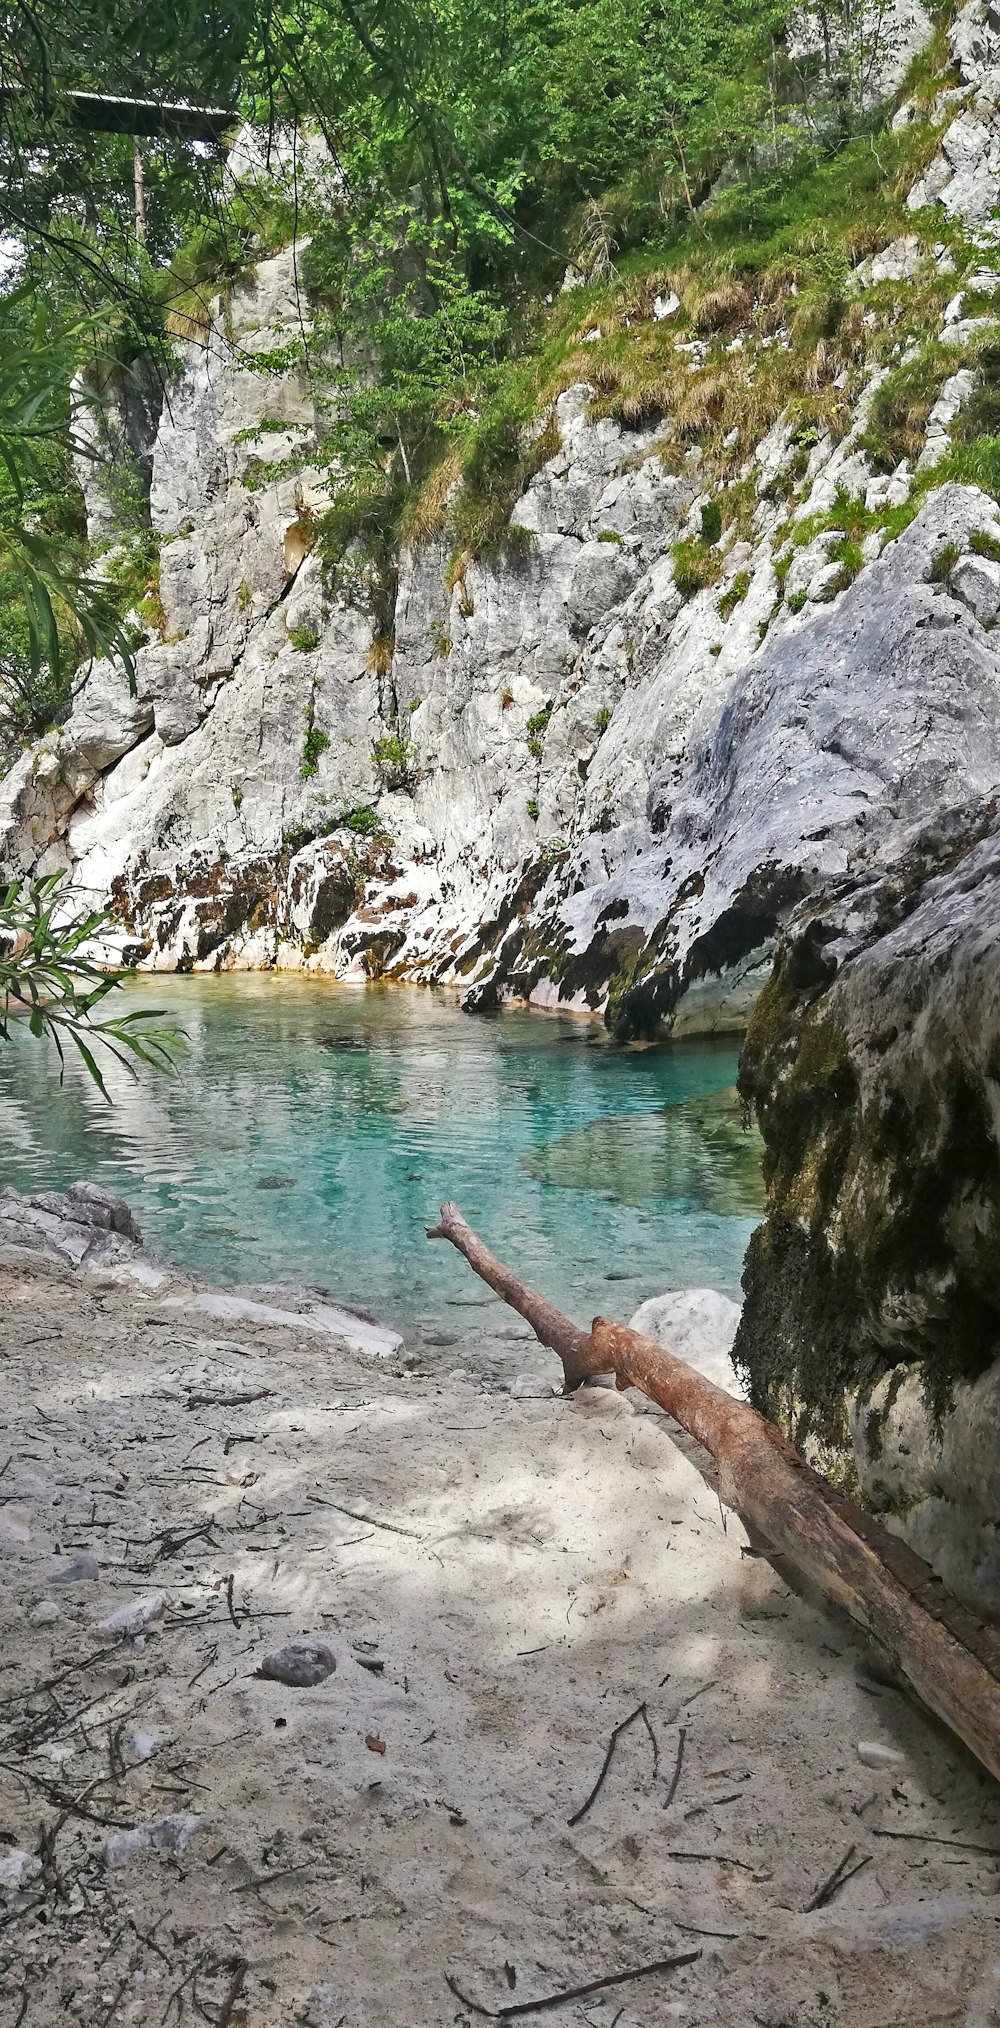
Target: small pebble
(138,1613)
(164,1834)
(302,1664)
(142,1745)
(534,1387)
(44,1614)
(871,1753)
(16,1868)
(81,1569)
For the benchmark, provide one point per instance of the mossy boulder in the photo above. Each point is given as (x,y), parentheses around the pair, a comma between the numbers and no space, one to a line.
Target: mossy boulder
(873,1065)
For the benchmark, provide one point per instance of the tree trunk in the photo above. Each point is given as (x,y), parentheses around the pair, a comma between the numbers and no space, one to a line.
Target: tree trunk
(945,1655)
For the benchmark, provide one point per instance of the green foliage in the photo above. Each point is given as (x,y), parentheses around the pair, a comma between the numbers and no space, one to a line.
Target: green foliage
(314,746)
(131,576)
(734,593)
(973,461)
(50,976)
(602,718)
(52,612)
(499,459)
(362,819)
(983,544)
(943,562)
(711,521)
(897,417)
(532,808)
(359,818)
(696,565)
(395,756)
(303,637)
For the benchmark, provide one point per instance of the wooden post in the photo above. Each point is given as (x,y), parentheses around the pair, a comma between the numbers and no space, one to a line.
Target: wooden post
(934,1644)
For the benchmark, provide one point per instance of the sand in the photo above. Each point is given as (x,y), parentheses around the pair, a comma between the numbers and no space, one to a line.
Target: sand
(502,1582)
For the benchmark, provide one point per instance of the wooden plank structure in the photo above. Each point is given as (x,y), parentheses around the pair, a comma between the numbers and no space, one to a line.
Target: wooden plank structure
(101,113)
(932,1643)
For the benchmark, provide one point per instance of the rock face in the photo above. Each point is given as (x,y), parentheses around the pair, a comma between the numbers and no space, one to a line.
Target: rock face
(872,1319)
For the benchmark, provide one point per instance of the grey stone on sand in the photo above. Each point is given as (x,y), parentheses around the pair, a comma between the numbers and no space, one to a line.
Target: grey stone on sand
(162,1834)
(79,1569)
(698,1326)
(302,1664)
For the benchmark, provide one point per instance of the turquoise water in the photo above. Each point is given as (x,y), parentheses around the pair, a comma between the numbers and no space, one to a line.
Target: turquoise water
(314,1129)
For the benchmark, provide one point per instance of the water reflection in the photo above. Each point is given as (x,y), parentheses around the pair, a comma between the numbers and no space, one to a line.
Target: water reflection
(699,1152)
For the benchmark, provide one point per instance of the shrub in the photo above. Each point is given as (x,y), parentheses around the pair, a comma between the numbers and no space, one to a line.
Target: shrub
(314,744)
(378,660)
(897,418)
(394,756)
(362,819)
(132,577)
(711,521)
(532,808)
(602,718)
(539,719)
(303,637)
(695,566)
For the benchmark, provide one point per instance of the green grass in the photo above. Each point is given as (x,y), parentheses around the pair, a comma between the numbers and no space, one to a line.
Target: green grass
(696,565)
(943,563)
(735,593)
(314,745)
(304,638)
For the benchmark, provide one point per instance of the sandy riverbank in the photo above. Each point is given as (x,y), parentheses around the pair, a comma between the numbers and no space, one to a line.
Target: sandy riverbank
(502,1582)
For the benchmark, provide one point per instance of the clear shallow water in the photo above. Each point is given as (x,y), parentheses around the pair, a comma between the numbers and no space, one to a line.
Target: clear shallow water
(314,1129)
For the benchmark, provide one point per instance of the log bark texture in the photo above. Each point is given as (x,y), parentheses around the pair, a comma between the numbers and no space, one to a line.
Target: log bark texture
(947,1656)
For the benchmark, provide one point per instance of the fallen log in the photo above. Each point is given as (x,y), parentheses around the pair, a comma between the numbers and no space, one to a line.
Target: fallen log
(933,1644)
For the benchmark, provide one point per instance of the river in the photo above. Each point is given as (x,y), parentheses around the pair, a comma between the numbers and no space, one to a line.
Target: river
(314,1128)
